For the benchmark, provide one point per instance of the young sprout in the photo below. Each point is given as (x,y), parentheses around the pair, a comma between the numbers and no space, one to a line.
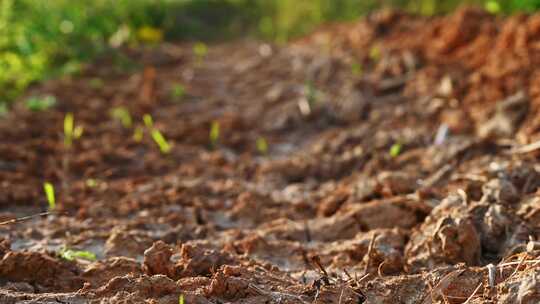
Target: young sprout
(160,140)
(375,53)
(138,134)
(37,104)
(71,131)
(91,183)
(71,255)
(181,299)
(493,6)
(395,150)
(177,91)
(200,50)
(148,121)
(356,69)
(214,133)
(122,114)
(49,193)
(262,145)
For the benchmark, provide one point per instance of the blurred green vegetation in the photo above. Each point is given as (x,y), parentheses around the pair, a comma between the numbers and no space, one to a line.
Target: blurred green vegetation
(41,39)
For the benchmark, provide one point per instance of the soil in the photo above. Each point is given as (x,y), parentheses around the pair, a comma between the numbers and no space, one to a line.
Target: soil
(400,166)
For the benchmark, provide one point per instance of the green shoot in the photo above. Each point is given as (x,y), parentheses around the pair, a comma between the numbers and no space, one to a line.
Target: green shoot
(70,131)
(375,53)
(138,134)
(494,7)
(160,140)
(395,150)
(214,133)
(38,104)
(200,50)
(91,183)
(181,299)
(122,114)
(356,69)
(49,193)
(148,121)
(178,91)
(262,145)
(71,255)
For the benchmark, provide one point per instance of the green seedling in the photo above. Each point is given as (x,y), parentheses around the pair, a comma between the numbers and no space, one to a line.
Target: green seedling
(91,183)
(148,121)
(71,132)
(200,50)
(71,255)
(214,133)
(494,7)
(395,150)
(49,193)
(178,91)
(262,145)
(356,69)
(181,299)
(138,134)
(122,114)
(375,53)
(38,104)
(160,140)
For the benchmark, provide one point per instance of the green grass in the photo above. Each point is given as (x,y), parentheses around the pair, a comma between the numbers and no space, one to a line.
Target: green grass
(43,39)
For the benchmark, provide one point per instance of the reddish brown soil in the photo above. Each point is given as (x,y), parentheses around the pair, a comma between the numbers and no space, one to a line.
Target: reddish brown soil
(327,215)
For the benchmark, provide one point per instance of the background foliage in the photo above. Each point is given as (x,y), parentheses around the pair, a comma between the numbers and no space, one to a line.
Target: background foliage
(40,39)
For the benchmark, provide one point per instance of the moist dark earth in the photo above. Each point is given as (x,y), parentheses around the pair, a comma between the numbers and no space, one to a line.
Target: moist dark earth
(389,160)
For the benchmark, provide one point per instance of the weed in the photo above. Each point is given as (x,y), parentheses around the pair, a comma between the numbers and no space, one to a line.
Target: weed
(122,114)
(214,133)
(178,91)
(262,145)
(70,255)
(160,140)
(71,132)
(395,149)
(49,193)
(181,299)
(38,104)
